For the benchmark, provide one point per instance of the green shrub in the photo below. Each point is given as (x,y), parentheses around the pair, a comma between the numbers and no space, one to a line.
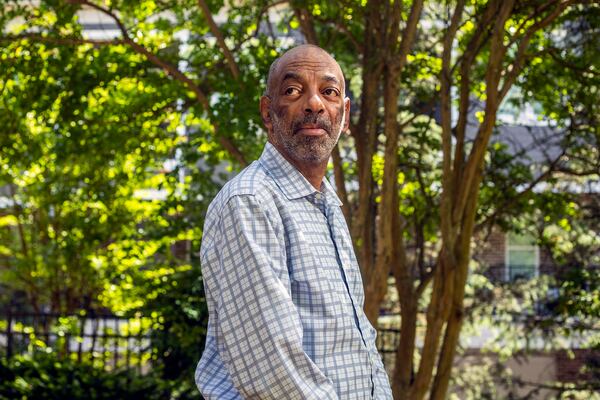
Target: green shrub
(44,376)
(179,341)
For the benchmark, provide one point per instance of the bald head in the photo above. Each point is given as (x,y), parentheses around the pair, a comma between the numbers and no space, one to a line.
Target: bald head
(302,53)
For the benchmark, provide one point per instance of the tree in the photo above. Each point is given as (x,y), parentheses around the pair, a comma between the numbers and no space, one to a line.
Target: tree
(410,66)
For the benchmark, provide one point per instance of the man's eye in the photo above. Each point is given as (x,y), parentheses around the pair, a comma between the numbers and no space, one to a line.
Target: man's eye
(291,90)
(331,92)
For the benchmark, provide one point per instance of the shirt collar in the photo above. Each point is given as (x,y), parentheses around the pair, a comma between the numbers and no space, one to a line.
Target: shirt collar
(289,180)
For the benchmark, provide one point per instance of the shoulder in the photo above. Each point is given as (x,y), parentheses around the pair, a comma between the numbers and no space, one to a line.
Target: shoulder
(248,201)
(252,186)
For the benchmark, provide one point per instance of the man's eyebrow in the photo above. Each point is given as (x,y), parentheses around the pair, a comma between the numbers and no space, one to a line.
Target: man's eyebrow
(290,75)
(295,76)
(331,78)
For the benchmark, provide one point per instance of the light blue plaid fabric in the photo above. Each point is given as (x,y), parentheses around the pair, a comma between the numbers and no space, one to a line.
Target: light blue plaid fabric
(284,293)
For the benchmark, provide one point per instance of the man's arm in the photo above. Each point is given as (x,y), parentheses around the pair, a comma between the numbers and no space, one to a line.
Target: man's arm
(259,332)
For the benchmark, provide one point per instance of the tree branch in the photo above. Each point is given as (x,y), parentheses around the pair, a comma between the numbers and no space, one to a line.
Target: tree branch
(554,54)
(263,10)
(480,37)
(503,207)
(517,66)
(425,281)
(340,183)
(358,47)
(214,29)
(306,25)
(540,9)
(62,41)
(170,69)
(408,35)
(445,99)
(492,78)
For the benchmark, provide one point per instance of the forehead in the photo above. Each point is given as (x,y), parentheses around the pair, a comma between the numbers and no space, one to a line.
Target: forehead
(308,61)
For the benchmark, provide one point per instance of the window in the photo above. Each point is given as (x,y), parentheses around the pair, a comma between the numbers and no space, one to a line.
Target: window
(522,257)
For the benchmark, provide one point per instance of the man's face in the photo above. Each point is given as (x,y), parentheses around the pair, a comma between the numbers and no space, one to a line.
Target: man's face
(306,111)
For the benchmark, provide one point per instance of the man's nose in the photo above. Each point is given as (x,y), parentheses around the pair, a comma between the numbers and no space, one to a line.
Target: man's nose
(314,104)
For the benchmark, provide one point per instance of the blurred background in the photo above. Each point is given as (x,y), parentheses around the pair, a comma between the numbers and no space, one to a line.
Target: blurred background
(470,184)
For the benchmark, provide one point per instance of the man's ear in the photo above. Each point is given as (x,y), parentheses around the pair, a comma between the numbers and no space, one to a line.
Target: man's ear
(346,115)
(265,112)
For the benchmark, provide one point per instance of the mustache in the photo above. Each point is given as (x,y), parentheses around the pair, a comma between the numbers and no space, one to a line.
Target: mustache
(319,121)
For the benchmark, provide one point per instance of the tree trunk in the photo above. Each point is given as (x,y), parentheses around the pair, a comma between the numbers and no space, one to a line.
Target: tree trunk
(437,314)
(403,369)
(456,315)
(376,286)
(365,137)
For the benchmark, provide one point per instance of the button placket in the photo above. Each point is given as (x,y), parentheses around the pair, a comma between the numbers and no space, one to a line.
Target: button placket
(344,260)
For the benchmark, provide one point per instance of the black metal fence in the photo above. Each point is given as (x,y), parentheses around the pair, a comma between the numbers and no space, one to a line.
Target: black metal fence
(388,340)
(105,340)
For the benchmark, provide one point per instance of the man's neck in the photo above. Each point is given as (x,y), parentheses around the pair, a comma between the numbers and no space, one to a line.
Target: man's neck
(313,172)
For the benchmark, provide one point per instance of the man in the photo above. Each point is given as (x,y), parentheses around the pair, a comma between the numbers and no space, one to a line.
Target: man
(282,283)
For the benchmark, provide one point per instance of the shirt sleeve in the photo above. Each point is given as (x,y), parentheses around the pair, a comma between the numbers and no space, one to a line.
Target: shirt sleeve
(259,331)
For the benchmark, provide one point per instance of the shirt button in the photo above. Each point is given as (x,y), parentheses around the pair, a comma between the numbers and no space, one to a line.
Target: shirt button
(318,196)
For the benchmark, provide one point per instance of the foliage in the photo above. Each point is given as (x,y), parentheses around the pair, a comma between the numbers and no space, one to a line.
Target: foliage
(45,376)
(179,339)
(73,178)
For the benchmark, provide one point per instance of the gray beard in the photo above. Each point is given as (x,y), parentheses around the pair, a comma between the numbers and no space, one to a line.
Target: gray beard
(308,149)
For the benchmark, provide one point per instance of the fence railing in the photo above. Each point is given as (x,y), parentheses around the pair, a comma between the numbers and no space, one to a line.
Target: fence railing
(387,343)
(105,340)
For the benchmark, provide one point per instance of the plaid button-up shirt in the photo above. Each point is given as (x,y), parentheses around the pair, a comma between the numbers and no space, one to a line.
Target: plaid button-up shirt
(284,293)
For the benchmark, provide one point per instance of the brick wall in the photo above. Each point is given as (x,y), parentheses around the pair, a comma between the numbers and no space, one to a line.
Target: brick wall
(578,365)
(491,253)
